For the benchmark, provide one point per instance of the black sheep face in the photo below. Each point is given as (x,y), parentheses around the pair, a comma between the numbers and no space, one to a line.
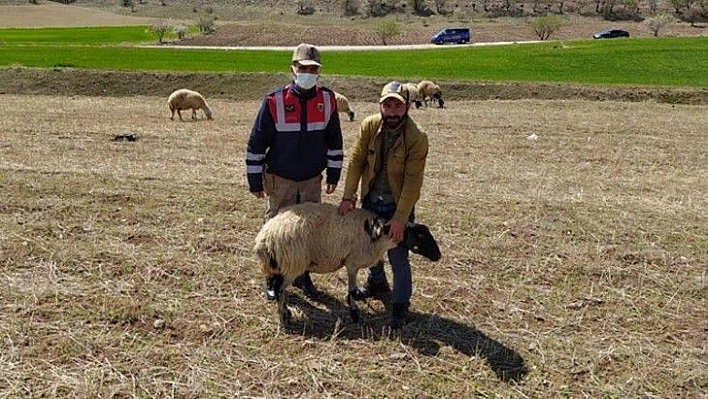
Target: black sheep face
(418,239)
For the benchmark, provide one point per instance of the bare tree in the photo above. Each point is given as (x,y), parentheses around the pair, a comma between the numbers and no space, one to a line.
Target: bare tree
(160,28)
(546,25)
(657,22)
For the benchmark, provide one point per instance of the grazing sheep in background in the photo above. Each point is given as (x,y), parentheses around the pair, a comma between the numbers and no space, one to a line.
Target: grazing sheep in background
(343,105)
(413,94)
(183,99)
(314,237)
(430,91)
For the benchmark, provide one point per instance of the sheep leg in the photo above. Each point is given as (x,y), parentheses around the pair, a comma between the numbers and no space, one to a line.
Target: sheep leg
(353,291)
(179,113)
(282,294)
(194,114)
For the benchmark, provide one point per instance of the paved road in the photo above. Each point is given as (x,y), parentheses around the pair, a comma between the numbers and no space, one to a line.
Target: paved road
(355,48)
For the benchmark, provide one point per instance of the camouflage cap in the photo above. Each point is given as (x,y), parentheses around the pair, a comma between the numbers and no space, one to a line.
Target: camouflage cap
(306,54)
(395,90)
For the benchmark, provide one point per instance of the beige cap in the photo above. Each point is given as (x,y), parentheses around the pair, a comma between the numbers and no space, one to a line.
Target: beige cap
(306,54)
(395,90)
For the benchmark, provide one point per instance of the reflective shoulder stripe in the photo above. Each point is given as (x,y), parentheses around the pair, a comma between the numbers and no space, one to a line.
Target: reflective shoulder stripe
(327,101)
(280,124)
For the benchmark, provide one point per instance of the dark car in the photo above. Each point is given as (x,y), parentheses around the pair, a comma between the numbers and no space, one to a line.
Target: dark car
(610,33)
(451,35)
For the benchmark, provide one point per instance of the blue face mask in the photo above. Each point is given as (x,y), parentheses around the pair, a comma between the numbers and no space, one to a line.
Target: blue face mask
(306,80)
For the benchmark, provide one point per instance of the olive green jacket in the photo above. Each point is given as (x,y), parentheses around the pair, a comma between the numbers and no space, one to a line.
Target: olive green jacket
(406,164)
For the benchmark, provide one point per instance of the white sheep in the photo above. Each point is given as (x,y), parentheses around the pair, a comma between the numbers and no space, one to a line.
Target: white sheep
(184,99)
(343,105)
(413,94)
(430,91)
(314,237)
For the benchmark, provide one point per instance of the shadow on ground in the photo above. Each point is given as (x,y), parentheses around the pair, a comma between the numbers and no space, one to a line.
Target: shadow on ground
(427,333)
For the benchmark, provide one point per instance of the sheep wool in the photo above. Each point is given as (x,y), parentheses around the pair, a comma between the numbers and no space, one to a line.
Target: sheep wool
(184,99)
(343,105)
(314,237)
(430,91)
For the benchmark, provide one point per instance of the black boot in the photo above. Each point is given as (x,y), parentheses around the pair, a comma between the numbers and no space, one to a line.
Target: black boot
(399,315)
(304,282)
(372,289)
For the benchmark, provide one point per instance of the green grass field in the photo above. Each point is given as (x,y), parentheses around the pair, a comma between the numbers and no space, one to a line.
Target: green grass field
(646,62)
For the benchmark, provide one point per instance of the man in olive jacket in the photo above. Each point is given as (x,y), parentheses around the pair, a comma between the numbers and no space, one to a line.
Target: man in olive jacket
(387,164)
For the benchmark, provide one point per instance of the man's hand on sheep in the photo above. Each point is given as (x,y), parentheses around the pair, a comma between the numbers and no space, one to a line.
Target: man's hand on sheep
(396,230)
(346,206)
(330,188)
(258,194)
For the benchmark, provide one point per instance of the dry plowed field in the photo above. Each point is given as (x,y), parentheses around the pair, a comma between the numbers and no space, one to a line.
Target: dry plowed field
(573,264)
(573,235)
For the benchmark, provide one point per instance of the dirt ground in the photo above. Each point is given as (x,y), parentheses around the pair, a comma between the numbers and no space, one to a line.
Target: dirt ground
(573,263)
(572,231)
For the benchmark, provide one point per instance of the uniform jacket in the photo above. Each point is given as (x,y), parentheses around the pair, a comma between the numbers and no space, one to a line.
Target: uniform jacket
(295,136)
(406,164)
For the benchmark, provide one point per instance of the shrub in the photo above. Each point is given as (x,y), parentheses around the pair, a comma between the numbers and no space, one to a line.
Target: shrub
(386,29)
(350,8)
(419,8)
(377,8)
(205,23)
(304,9)
(181,31)
(546,25)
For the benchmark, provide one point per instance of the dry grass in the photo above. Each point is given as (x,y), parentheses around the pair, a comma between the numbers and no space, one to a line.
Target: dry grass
(574,265)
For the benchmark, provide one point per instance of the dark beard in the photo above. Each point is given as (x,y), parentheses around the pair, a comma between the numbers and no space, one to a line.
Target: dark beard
(392,122)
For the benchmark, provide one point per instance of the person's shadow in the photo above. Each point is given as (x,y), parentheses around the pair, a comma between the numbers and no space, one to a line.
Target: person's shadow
(424,332)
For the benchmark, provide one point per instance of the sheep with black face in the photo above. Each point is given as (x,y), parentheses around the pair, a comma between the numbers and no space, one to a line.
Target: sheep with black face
(316,238)
(430,91)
